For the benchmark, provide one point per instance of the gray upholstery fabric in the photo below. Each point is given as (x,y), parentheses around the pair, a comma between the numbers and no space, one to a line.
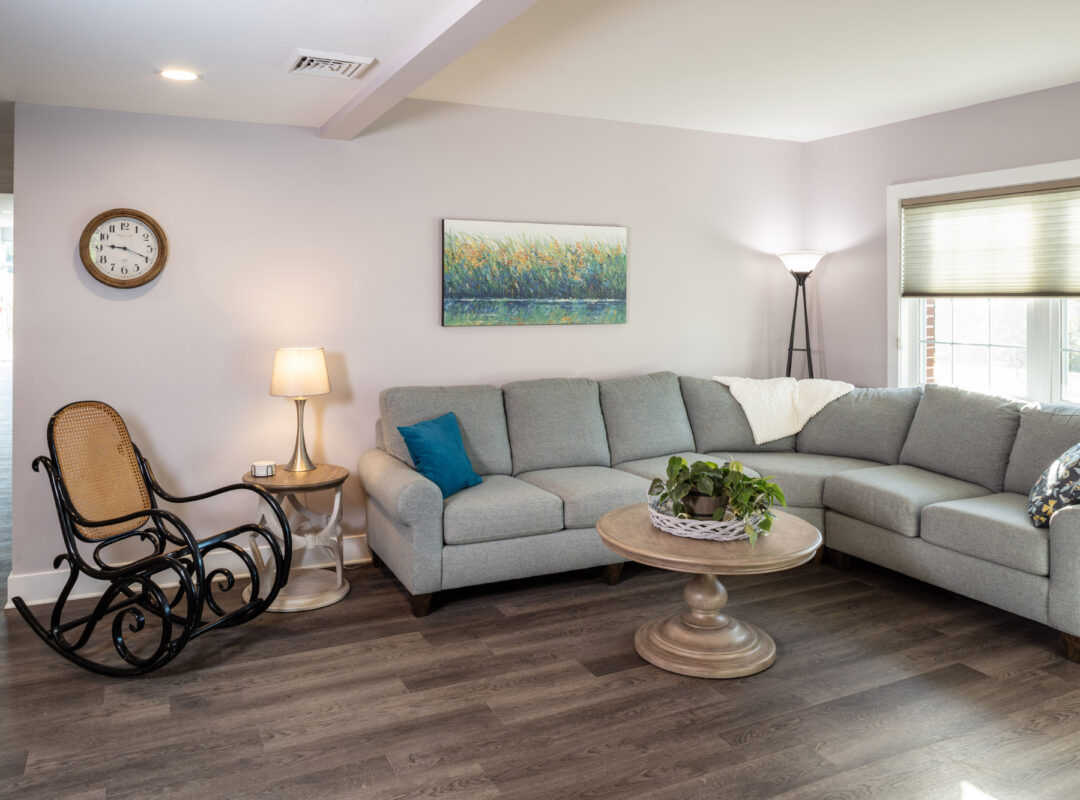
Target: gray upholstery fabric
(404,520)
(656,467)
(555,422)
(645,416)
(479,410)
(485,562)
(864,423)
(1015,591)
(893,497)
(995,527)
(1064,610)
(589,492)
(964,434)
(1045,433)
(718,420)
(500,508)
(800,475)
(401,490)
(815,516)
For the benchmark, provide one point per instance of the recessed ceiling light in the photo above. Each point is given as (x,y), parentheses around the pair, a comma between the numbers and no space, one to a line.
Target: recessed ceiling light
(179,75)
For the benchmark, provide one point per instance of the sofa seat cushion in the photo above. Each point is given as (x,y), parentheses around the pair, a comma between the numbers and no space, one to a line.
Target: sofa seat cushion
(656,467)
(645,416)
(500,508)
(893,497)
(589,492)
(800,475)
(994,528)
(555,422)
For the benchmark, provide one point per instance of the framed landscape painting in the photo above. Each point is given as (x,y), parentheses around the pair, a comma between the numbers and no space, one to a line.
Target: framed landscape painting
(530,273)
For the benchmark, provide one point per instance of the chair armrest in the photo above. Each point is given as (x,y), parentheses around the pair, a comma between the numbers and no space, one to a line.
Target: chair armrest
(1064,605)
(401,490)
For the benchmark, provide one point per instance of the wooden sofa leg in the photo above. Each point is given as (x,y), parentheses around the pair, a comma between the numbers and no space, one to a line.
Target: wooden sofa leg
(1072,647)
(420,604)
(612,573)
(819,556)
(842,561)
(376,561)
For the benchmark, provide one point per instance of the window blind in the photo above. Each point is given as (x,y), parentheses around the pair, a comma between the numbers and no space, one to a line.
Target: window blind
(1015,242)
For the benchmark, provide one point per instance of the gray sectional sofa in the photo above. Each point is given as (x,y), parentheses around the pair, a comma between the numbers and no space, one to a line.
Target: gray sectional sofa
(930,483)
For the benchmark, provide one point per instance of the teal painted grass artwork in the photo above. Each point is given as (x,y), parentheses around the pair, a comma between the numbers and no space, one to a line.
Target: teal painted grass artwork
(528,273)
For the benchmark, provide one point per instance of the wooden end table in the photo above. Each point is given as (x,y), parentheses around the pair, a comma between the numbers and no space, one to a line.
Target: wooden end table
(701,641)
(307,588)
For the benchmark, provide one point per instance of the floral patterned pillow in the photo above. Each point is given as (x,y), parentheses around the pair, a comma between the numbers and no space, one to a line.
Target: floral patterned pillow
(1056,488)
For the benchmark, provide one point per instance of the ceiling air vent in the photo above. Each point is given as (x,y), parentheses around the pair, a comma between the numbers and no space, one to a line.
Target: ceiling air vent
(329,65)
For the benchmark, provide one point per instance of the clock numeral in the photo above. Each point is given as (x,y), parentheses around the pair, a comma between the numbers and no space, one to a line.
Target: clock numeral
(123,270)
(112,229)
(149,248)
(125,226)
(136,229)
(99,247)
(145,236)
(103,260)
(136,267)
(103,236)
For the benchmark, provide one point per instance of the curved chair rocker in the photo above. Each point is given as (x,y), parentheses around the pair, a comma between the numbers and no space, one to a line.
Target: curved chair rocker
(106,494)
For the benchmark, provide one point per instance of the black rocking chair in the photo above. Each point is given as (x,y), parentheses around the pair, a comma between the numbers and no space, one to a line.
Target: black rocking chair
(105,494)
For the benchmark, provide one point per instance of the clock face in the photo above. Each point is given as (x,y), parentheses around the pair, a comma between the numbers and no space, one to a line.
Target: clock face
(123,248)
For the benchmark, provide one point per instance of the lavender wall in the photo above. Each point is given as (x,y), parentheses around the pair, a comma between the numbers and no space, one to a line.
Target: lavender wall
(844,198)
(278,237)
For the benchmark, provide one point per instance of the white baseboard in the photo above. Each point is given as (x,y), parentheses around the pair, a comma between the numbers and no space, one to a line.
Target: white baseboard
(44,587)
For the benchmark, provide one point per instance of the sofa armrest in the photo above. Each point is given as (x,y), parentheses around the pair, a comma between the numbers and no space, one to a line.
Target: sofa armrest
(401,490)
(1064,605)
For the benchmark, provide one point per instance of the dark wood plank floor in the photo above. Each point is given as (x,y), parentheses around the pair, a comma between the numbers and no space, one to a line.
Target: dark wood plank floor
(884,688)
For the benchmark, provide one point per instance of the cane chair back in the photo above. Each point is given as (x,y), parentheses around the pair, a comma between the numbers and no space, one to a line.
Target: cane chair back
(98,467)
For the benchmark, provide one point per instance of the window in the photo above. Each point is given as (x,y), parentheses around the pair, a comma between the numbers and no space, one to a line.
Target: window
(990,290)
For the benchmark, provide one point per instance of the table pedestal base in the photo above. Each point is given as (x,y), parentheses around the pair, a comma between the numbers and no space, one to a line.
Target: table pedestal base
(701,641)
(308,589)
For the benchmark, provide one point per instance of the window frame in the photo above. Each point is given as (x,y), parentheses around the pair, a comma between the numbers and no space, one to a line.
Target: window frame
(901,349)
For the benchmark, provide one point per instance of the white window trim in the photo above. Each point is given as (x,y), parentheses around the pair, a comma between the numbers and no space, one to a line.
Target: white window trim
(898,362)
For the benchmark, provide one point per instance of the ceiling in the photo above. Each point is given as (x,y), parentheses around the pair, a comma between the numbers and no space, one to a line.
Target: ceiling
(787,69)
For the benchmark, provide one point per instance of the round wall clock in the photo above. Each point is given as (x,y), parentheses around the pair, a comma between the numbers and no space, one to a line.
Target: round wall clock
(123,248)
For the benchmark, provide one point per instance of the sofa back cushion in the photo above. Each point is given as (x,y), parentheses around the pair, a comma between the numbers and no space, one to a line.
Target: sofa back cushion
(964,434)
(1045,433)
(479,410)
(718,421)
(864,423)
(645,416)
(555,422)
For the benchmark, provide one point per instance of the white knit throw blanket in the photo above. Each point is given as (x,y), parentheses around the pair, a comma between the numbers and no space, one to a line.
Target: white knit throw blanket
(779,407)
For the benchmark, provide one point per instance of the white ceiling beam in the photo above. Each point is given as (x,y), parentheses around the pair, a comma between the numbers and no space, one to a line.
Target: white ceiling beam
(460,28)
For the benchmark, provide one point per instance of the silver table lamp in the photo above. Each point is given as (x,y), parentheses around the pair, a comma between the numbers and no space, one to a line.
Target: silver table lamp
(299,373)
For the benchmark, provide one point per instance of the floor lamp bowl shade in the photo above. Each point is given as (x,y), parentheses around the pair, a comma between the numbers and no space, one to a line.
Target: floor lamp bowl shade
(801,261)
(299,373)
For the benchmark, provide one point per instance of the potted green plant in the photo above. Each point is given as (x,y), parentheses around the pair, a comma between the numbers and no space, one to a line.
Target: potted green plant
(721,492)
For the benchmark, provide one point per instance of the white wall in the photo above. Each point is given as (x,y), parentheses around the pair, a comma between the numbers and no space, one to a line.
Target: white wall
(280,238)
(845,182)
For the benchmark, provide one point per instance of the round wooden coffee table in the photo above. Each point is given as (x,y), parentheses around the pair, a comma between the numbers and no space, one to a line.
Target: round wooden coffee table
(701,641)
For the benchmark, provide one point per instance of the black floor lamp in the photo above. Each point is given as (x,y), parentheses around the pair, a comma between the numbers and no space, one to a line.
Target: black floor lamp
(800,264)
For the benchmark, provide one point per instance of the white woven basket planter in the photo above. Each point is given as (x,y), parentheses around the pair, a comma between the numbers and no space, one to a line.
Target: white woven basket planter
(724,531)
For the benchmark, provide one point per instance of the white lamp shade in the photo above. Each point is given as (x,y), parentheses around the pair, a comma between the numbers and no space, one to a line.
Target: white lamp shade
(801,261)
(299,372)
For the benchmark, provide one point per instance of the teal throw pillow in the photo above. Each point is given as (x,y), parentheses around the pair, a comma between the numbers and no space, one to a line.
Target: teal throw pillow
(1056,488)
(439,453)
